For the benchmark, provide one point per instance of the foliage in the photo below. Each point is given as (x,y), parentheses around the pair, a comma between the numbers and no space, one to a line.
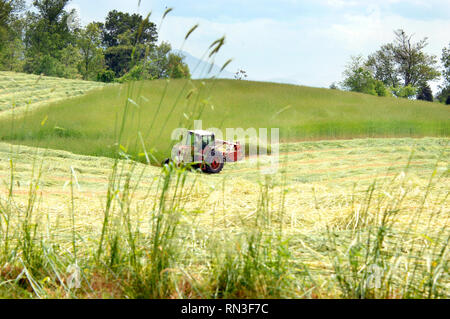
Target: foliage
(401,65)
(358,78)
(161,63)
(5,16)
(406,92)
(127,38)
(89,42)
(137,29)
(425,93)
(383,67)
(11,29)
(413,65)
(47,36)
(446,63)
(70,60)
(137,73)
(118,59)
(334,86)
(106,76)
(48,40)
(176,68)
(381,89)
(445,89)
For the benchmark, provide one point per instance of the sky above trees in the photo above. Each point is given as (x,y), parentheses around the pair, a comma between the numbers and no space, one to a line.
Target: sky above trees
(300,42)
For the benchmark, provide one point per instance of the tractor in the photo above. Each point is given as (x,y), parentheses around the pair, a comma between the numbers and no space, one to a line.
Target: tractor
(201,150)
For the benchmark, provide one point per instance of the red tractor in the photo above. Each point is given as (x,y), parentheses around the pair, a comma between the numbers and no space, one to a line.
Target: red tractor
(200,149)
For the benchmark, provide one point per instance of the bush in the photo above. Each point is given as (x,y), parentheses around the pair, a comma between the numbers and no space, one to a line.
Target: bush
(381,89)
(444,94)
(404,91)
(334,86)
(137,73)
(106,76)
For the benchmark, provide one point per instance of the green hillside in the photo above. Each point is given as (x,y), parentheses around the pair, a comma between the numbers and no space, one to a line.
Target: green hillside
(90,124)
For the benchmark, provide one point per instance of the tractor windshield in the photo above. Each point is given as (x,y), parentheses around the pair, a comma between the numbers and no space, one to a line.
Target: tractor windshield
(207,140)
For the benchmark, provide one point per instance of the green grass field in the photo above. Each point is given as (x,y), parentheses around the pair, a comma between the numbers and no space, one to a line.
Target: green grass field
(89,124)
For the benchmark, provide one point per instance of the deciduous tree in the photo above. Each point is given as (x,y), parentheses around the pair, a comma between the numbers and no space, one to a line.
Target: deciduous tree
(425,93)
(11,29)
(359,78)
(413,65)
(89,43)
(48,33)
(126,34)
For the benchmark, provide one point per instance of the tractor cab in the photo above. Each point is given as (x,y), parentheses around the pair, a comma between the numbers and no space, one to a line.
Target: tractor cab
(200,138)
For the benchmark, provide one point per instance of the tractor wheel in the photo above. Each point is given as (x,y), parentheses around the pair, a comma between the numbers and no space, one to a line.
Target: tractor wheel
(215,167)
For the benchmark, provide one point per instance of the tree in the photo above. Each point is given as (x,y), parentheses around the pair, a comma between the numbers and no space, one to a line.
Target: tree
(359,78)
(401,65)
(5,16)
(48,33)
(413,66)
(118,59)
(141,31)
(425,93)
(405,92)
(383,66)
(445,88)
(106,76)
(125,35)
(11,29)
(446,63)
(157,64)
(89,43)
(161,63)
(176,68)
(70,62)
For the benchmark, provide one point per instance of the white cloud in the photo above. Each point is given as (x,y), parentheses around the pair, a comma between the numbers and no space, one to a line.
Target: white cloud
(307,47)
(308,51)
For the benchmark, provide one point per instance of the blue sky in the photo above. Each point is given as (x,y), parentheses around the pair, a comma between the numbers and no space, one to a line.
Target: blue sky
(300,42)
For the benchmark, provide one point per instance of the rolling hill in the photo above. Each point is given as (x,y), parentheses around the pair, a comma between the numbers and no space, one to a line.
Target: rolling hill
(91,124)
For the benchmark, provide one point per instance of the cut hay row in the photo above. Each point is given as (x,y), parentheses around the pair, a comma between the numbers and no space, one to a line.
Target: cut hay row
(219,211)
(326,170)
(298,168)
(18,90)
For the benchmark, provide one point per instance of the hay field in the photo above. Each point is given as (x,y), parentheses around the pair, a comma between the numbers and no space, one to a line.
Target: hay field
(88,125)
(20,90)
(320,187)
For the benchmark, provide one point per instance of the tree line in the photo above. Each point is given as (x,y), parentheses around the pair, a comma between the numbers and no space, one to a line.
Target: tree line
(400,69)
(48,39)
